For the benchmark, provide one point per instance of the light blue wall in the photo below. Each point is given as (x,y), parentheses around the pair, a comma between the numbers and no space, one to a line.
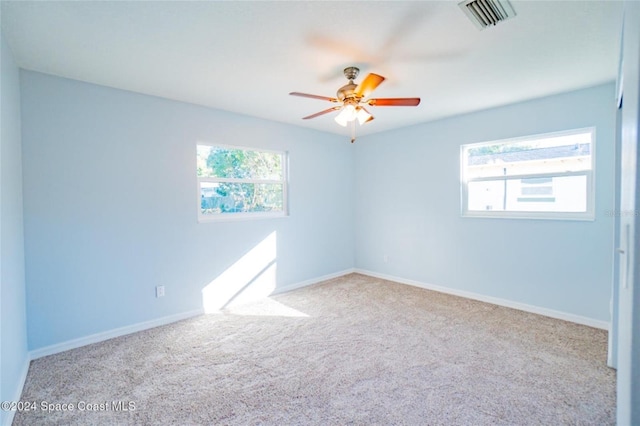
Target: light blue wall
(408,207)
(111,206)
(13,338)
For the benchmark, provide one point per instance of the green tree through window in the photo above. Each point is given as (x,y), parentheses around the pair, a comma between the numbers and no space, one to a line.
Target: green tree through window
(240,180)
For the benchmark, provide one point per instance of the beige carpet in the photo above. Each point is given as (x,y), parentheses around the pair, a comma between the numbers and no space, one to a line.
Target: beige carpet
(354,350)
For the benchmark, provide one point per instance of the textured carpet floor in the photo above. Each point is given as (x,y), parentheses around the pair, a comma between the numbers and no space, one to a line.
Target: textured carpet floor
(354,350)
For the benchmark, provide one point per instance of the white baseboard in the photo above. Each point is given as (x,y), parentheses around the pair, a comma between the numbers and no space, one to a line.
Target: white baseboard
(110,334)
(311,281)
(17,397)
(493,300)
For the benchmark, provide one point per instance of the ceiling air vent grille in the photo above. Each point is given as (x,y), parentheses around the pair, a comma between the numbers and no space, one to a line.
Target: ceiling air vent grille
(485,13)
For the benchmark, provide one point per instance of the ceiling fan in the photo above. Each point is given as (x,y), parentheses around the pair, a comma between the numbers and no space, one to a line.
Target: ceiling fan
(352,99)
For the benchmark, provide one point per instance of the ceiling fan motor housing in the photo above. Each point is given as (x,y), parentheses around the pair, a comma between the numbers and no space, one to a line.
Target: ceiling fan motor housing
(347,92)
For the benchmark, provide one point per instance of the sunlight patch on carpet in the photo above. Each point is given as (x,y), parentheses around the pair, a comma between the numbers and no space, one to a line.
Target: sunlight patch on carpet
(266,307)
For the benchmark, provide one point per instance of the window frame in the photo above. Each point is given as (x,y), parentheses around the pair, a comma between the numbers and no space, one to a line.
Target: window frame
(224,217)
(588,215)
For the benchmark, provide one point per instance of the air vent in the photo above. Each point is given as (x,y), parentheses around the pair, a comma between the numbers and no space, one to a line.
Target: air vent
(485,13)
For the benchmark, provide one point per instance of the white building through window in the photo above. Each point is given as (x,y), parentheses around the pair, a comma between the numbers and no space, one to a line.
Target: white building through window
(545,176)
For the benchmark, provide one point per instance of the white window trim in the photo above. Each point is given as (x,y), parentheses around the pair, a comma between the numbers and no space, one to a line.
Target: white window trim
(251,215)
(589,215)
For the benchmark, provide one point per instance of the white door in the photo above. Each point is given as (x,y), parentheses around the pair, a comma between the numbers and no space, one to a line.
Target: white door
(628,380)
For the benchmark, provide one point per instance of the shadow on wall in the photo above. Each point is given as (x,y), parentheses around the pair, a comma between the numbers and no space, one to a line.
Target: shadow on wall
(244,287)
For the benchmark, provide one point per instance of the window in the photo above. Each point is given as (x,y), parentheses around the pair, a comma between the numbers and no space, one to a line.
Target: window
(238,183)
(545,176)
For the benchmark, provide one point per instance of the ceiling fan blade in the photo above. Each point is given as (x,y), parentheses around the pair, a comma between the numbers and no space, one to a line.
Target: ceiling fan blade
(306,95)
(394,102)
(369,84)
(335,108)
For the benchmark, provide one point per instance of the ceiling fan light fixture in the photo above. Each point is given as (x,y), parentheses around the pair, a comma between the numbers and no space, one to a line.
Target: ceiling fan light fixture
(347,114)
(341,120)
(362,116)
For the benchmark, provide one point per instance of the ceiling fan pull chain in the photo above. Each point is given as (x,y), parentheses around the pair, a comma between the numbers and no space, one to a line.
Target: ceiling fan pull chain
(353,131)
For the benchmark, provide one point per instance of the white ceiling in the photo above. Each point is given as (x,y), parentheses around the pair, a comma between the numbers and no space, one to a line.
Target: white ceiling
(246,57)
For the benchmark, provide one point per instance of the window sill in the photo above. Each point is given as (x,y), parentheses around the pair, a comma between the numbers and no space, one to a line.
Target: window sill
(232,217)
(582,217)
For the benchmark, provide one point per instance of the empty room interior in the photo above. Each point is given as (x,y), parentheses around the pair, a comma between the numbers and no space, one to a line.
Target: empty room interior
(320,212)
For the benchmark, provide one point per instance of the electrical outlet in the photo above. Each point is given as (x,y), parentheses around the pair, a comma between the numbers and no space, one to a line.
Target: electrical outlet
(385,258)
(160,291)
